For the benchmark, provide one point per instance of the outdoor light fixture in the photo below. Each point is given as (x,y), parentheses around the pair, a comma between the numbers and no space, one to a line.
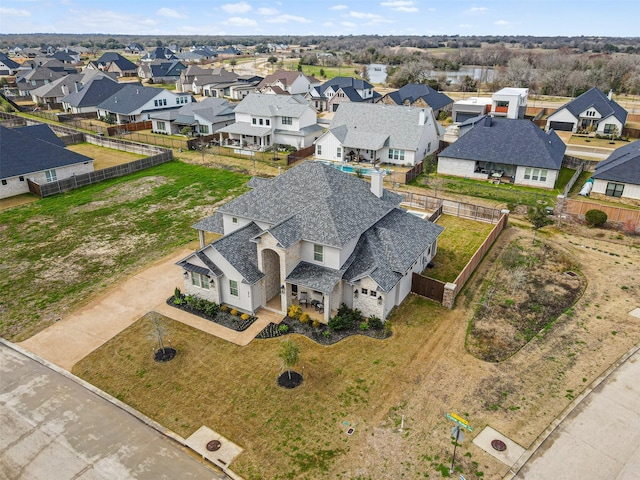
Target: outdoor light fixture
(282,289)
(355,293)
(186,274)
(380,300)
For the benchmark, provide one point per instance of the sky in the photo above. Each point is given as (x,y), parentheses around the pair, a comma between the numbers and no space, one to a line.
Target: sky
(326,17)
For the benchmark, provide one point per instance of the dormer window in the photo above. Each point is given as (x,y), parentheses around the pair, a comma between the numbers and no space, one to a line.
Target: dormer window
(318,253)
(234,220)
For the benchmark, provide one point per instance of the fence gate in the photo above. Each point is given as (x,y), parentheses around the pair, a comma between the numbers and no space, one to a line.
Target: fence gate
(427,287)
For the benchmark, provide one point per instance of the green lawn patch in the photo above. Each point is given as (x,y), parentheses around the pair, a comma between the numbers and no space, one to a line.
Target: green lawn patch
(456,245)
(61,249)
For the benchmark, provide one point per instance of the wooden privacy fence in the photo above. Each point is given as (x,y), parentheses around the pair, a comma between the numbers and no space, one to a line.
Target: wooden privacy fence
(77,181)
(446,292)
(574,177)
(614,214)
(129,127)
(427,287)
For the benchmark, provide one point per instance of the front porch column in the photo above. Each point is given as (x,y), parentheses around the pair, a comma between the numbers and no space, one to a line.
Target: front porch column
(201,238)
(327,307)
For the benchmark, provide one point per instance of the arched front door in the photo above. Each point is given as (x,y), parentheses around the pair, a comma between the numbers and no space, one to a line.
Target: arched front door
(272,281)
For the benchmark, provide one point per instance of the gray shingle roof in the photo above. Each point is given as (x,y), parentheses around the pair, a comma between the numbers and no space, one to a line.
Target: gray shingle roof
(267,105)
(315,277)
(28,150)
(401,124)
(241,252)
(213,224)
(388,249)
(414,91)
(623,165)
(509,141)
(597,99)
(129,99)
(331,207)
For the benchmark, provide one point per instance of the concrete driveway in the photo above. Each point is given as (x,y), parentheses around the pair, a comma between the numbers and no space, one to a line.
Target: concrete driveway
(55,426)
(75,336)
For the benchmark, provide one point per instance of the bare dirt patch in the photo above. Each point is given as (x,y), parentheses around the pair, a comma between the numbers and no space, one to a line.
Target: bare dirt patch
(123,192)
(523,293)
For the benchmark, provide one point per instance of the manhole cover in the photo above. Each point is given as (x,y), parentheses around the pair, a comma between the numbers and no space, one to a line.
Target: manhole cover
(498,445)
(213,445)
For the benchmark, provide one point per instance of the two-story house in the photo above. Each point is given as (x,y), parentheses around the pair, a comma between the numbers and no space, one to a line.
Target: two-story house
(200,118)
(285,82)
(329,95)
(263,120)
(133,103)
(509,102)
(418,95)
(312,233)
(380,133)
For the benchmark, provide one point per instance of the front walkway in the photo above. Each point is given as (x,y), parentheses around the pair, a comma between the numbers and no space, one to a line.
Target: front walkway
(80,333)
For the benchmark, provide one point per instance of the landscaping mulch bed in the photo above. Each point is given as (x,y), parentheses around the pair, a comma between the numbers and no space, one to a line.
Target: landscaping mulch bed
(289,379)
(234,322)
(164,354)
(317,334)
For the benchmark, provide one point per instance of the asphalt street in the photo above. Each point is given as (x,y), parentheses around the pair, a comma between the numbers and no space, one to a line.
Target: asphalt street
(53,427)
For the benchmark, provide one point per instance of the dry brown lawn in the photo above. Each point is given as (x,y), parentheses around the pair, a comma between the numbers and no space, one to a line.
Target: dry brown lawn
(104,157)
(422,372)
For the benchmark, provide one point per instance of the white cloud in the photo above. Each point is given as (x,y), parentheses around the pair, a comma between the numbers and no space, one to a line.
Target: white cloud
(170,12)
(113,22)
(367,16)
(14,12)
(287,19)
(401,6)
(242,7)
(267,11)
(348,24)
(501,23)
(241,22)
(338,7)
(476,11)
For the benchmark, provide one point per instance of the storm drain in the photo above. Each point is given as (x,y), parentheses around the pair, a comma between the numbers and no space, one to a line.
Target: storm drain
(498,445)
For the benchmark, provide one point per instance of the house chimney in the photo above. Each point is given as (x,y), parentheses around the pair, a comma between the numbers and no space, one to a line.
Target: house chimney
(376,182)
(422,117)
(610,95)
(77,85)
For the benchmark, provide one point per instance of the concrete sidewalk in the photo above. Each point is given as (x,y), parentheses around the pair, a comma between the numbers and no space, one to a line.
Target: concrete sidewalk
(599,438)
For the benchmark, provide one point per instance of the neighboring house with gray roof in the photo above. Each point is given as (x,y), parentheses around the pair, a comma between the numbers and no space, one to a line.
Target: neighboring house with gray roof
(202,118)
(316,233)
(593,110)
(418,95)
(287,82)
(161,71)
(37,154)
(264,120)
(380,133)
(38,76)
(86,96)
(514,150)
(329,95)
(53,92)
(619,175)
(7,66)
(133,103)
(115,63)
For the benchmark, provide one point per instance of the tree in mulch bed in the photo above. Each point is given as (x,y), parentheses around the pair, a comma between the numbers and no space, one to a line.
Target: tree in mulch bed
(157,334)
(289,353)
(220,314)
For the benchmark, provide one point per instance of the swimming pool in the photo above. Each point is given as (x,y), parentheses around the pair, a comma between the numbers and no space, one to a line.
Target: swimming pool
(352,169)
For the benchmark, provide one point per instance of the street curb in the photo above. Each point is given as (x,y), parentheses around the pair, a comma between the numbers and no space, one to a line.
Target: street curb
(526,456)
(105,396)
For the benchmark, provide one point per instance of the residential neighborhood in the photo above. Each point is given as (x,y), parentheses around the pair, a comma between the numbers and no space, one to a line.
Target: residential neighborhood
(276,254)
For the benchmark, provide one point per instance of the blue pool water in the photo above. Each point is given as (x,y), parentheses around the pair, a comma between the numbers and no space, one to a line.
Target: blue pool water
(351,169)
